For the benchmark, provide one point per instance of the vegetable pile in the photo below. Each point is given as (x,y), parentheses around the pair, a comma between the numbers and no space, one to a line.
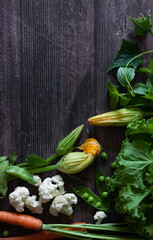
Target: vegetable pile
(131,185)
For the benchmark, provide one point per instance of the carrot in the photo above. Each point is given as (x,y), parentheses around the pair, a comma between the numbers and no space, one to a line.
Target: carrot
(38,236)
(43,235)
(22,220)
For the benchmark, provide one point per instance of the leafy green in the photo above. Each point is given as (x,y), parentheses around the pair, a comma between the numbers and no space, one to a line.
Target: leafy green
(3,178)
(114,94)
(3,158)
(13,158)
(140,88)
(35,160)
(142,25)
(132,181)
(140,127)
(147,70)
(121,75)
(127,51)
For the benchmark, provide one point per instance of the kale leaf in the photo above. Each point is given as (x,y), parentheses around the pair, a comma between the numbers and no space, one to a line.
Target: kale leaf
(132,181)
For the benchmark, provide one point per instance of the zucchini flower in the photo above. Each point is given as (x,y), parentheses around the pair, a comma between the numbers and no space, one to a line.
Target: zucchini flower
(66,144)
(120,117)
(75,162)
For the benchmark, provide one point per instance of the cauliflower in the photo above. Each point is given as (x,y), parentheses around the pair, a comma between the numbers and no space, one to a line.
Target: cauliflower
(38,181)
(33,205)
(99,216)
(50,188)
(62,204)
(18,197)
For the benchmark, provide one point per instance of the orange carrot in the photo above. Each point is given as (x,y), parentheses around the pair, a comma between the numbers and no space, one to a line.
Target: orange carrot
(21,220)
(38,236)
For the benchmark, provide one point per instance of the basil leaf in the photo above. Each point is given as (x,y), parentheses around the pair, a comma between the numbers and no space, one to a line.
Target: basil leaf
(130,73)
(142,25)
(140,88)
(113,94)
(127,51)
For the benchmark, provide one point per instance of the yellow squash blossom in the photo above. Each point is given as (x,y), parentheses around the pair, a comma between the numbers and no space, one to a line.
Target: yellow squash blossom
(75,162)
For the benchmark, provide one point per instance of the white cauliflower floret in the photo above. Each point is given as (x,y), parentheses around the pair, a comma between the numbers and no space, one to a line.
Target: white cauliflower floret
(38,181)
(99,216)
(62,204)
(50,188)
(18,197)
(33,205)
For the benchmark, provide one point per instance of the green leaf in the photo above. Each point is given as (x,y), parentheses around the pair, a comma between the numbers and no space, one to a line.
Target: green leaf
(127,51)
(13,158)
(124,99)
(3,158)
(147,70)
(3,179)
(113,94)
(140,88)
(140,127)
(130,73)
(142,25)
(34,160)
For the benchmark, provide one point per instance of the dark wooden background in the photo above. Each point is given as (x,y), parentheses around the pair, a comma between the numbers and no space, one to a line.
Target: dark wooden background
(54,55)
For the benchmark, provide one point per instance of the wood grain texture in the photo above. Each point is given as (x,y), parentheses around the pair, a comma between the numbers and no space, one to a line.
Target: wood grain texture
(54,56)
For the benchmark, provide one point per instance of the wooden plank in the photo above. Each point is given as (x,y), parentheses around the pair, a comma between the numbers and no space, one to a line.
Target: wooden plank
(10,84)
(56,43)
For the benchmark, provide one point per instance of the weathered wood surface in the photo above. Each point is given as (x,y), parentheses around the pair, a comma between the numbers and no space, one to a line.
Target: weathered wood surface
(54,56)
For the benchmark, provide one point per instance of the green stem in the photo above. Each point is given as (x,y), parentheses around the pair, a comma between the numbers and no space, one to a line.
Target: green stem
(89,235)
(139,55)
(22,164)
(95,227)
(43,169)
(48,160)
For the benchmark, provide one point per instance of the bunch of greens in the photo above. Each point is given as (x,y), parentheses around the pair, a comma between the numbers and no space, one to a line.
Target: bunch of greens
(127,62)
(132,182)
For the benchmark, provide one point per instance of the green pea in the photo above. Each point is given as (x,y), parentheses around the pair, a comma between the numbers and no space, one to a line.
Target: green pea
(6,233)
(107,178)
(101,178)
(104,155)
(90,199)
(85,195)
(98,204)
(113,165)
(105,194)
